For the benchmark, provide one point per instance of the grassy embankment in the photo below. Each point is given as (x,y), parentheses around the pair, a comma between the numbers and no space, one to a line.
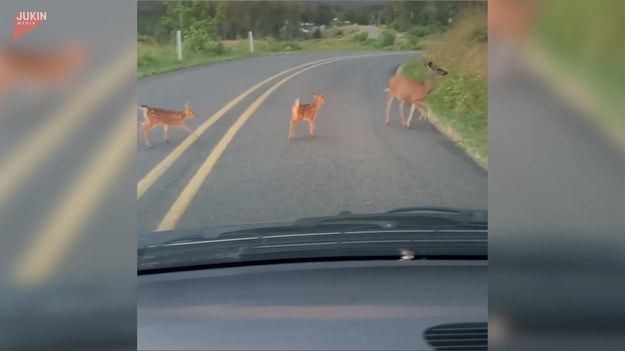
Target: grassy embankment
(459,102)
(578,47)
(153,58)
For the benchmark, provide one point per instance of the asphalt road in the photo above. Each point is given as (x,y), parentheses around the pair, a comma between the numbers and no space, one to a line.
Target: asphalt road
(354,162)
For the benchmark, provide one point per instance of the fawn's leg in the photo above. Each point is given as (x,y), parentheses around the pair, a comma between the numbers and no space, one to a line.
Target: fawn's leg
(145,129)
(402,113)
(166,127)
(412,108)
(388,108)
(311,126)
(423,109)
(292,129)
(188,129)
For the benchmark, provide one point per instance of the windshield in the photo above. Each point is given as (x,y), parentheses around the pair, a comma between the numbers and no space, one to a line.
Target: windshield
(267,112)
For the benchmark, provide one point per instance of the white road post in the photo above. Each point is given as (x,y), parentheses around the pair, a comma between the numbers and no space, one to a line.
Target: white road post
(249,34)
(179,45)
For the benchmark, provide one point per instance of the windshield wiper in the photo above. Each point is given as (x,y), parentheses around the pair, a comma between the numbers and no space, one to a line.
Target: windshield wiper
(429,232)
(426,209)
(408,216)
(423,218)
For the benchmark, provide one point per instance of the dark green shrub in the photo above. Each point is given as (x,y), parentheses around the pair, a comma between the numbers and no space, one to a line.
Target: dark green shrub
(146,39)
(360,37)
(217,48)
(387,38)
(274,45)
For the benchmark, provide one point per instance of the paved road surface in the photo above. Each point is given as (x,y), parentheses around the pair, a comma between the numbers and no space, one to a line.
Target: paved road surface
(355,162)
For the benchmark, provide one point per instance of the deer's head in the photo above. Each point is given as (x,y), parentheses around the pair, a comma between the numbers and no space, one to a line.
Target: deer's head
(435,69)
(319,98)
(188,112)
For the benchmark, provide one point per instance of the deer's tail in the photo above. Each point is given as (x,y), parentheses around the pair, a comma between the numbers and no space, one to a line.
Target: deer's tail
(295,108)
(386,90)
(142,107)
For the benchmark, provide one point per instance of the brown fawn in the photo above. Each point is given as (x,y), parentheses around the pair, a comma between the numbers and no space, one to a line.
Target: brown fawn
(307,112)
(153,117)
(414,92)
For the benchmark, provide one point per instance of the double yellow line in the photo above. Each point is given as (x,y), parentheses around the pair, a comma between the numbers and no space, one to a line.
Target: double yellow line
(181,204)
(149,179)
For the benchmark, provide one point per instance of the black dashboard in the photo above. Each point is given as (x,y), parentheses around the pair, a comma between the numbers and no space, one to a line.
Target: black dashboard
(357,305)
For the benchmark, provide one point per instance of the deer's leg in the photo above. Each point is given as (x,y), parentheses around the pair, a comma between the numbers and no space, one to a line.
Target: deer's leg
(412,108)
(423,109)
(292,129)
(389,103)
(186,127)
(311,126)
(145,129)
(402,113)
(166,127)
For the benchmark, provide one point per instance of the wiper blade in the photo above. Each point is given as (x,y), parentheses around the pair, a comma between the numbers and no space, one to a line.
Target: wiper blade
(428,232)
(474,216)
(409,216)
(426,209)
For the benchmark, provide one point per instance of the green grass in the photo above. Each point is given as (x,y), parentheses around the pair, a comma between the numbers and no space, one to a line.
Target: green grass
(459,101)
(154,59)
(583,43)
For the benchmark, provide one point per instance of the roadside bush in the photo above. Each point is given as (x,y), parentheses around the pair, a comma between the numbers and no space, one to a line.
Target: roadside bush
(360,37)
(145,39)
(317,34)
(387,38)
(421,31)
(274,45)
(145,58)
(334,32)
(197,40)
(217,48)
(411,45)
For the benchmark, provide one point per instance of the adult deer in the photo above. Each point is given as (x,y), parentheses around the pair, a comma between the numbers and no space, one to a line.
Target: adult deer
(414,92)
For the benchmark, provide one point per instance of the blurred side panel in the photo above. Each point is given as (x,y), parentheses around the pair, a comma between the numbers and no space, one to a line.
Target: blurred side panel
(557,174)
(67,172)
